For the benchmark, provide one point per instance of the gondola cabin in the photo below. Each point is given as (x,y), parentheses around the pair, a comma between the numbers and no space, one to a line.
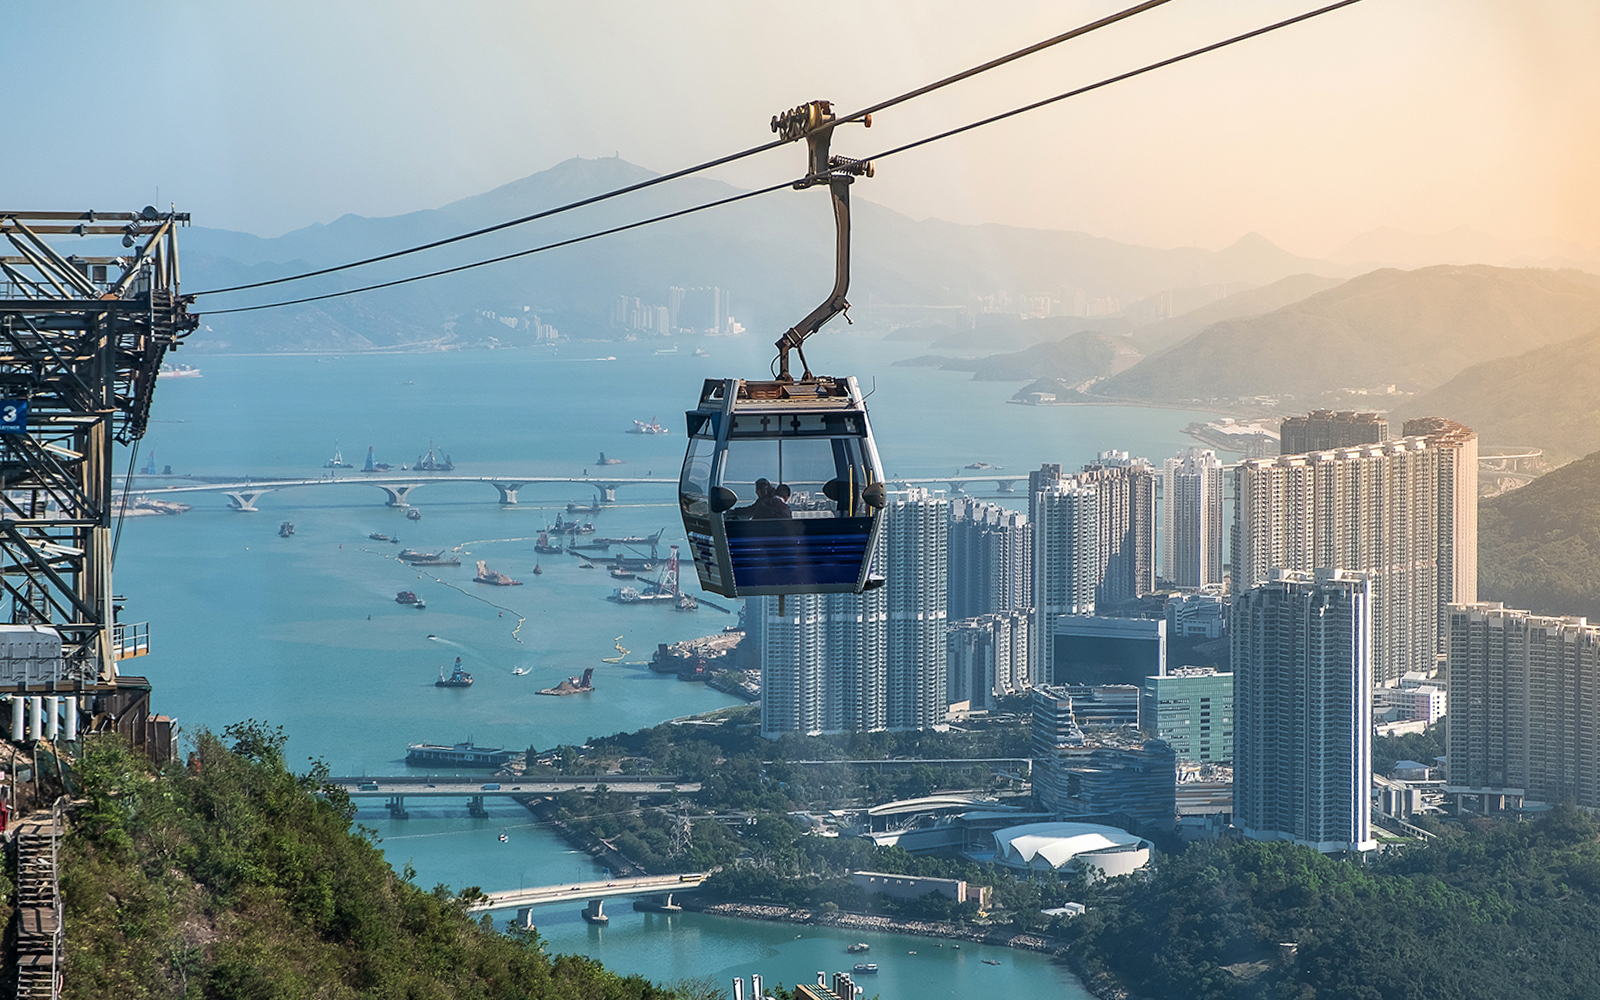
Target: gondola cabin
(781,488)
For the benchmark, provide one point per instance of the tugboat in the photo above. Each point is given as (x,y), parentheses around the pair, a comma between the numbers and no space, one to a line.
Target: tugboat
(458,678)
(409,598)
(413,514)
(543,546)
(285,529)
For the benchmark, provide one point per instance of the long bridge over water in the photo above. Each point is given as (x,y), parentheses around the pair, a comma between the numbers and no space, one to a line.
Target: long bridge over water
(594,893)
(397,490)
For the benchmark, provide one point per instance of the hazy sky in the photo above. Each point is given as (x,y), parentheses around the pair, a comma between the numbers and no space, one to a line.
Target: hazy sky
(1418,114)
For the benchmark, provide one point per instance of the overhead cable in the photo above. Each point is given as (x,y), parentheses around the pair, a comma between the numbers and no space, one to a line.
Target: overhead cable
(861,115)
(1088,88)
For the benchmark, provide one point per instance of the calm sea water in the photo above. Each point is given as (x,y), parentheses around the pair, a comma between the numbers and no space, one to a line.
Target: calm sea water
(304,631)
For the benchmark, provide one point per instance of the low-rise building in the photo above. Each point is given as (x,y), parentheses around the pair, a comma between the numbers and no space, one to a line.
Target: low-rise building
(915,887)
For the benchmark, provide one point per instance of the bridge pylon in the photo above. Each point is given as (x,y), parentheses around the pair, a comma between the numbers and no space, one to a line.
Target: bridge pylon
(245,500)
(397,494)
(508,492)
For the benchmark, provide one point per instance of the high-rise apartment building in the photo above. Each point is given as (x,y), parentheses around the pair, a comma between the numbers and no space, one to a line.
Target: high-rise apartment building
(1373,509)
(863,663)
(1191,518)
(991,559)
(917,565)
(1457,445)
(1523,707)
(1064,516)
(1302,670)
(1125,560)
(986,657)
(1320,430)
(1192,709)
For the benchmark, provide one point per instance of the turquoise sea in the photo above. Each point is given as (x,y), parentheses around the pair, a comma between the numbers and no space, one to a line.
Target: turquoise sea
(304,631)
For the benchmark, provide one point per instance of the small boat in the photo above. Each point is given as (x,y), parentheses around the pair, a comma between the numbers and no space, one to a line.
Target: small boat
(379,536)
(991,961)
(518,671)
(179,371)
(622,574)
(984,465)
(912,952)
(858,947)
(413,514)
(537,571)
(409,598)
(503,837)
(866,967)
(286,529)
(458,678)
(701,352)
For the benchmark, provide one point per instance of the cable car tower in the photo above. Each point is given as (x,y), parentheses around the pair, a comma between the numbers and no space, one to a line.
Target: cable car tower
(798,455)
(81,342)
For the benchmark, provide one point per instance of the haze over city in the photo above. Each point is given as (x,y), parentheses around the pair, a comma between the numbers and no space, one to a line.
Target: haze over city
(1422,115)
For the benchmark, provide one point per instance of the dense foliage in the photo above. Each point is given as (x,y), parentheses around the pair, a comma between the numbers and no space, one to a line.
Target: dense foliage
(1539,546)
(1421,747)
(1498,911)
(231,877)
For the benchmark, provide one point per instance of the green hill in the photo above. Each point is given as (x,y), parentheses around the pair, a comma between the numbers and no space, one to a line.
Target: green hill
(1544,398)
(1413,329)
(233,878)
(1239,305)
(1539,546)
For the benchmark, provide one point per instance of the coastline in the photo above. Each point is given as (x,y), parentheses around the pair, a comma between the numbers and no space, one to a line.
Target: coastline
(1101,985)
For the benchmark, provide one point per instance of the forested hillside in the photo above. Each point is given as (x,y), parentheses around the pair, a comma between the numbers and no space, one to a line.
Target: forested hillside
(1539,546)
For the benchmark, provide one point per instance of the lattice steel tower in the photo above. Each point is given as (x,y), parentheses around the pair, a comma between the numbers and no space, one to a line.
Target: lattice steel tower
(81,343)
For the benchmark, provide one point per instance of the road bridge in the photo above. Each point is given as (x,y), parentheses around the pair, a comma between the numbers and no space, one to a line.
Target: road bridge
(475,790)
(594,893)
(242,496)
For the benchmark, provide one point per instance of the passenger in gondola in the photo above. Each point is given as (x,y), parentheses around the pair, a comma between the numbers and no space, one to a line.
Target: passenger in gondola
(767,503)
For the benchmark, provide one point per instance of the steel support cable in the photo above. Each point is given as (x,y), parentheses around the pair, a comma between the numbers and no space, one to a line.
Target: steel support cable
(1108,81)
(509,256)
(1087,88)
(1079,31)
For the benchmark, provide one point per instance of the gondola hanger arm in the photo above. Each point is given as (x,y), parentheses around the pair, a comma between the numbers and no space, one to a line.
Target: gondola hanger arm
(814,122)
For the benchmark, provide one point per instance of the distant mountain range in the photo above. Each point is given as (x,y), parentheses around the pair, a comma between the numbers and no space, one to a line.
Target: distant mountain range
(1462,245)
(772,255)
(1072,360)
(1544,398)
(1412,329)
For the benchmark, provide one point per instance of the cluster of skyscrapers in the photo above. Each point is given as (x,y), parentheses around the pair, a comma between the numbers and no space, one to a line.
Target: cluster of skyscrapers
(1352,566)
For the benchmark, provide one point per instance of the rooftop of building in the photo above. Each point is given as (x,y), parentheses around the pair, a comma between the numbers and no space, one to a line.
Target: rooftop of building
(1058,843)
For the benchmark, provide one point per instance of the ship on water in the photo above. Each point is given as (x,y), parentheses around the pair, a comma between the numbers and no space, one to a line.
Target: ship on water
(573,507)
(543,546)
(458,678)
(608,461)
(494,576)
(413,514)
(653,427)
(379,536)
(432,463)
(410,599)
(179,371)
(573,685)
(459,755)
(286,529)
(415,558)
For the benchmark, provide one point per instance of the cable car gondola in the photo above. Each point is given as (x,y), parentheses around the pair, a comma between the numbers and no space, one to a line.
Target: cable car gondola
(782,491)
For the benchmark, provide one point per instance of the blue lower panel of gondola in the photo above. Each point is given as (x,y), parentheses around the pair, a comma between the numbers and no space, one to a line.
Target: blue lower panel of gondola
(798,554)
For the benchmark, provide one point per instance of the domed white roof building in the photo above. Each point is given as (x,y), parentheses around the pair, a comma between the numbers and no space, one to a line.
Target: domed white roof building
(1103,851)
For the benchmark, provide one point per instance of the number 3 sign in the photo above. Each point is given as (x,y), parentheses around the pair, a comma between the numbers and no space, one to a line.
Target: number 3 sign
(13,416)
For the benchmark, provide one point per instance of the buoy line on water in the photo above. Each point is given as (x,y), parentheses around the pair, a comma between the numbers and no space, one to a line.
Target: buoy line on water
(521,618)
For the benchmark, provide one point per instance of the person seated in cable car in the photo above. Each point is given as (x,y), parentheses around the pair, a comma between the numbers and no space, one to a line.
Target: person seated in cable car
(768,503)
